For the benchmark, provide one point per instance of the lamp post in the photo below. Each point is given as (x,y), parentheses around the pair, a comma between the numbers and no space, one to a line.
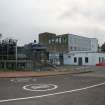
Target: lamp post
(16,52)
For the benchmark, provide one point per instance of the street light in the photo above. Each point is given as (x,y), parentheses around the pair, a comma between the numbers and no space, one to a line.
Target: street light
(16,52)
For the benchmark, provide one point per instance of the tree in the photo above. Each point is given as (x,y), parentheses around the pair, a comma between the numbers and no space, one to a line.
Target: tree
(103,47)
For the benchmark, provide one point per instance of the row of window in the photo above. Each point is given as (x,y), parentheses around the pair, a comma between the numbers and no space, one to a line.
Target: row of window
(58,40)
(101,59)
(86,59)
(76,48)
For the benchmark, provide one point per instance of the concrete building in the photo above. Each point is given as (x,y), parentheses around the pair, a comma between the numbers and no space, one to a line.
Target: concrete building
(54,43)
(68,42)
(59,46)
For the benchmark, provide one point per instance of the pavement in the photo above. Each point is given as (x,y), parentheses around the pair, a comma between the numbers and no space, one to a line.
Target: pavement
(69,89)
(60,71)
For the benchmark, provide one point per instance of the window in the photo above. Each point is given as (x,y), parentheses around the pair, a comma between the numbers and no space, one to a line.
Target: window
(86,60)
(71,47)
(75,59)
(57,40)
(99,59)
(102,59)
(49,41)
(69,56)
(64,40)
(53,41)
(60,41)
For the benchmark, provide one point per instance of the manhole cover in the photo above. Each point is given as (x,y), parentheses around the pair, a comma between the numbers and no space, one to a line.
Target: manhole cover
(40,87)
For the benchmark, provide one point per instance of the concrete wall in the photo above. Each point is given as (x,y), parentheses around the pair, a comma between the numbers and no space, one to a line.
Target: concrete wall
(54,43)
(54,58)
(94,44)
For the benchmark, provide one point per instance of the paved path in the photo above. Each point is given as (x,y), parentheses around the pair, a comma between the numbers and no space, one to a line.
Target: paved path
(58,90)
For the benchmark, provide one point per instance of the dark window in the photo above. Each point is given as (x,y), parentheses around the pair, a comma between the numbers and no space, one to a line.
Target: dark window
(102,59)
(75,59)
(86,59)
(99,59)
(69,56)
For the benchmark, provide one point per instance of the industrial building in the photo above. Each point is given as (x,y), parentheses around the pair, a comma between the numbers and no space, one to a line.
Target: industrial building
(38,55)
(8,53)
(27,57)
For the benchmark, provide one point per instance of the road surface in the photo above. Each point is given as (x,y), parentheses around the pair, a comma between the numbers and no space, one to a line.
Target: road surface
(77,89)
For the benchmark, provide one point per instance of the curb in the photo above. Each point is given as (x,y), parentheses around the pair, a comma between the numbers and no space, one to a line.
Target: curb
(46,75)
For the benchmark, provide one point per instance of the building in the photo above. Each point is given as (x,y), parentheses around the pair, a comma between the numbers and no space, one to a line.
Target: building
(60,45)
(83,58)
(37,53)
(27,57)
(68,42)
(54,43)
(8,53)
(80,43)
(31,56)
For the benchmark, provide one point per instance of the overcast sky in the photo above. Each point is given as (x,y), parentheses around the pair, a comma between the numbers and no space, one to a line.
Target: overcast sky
(25,19)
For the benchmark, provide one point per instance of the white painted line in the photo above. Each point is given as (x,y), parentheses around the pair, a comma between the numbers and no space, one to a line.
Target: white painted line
(40,87)
(58,93)
(19,80)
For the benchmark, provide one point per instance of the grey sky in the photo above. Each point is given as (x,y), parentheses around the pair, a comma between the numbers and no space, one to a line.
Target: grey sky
(24,19)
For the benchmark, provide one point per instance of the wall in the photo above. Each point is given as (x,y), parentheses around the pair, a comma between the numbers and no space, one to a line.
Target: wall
(54,58)
(54,43)
(93,58)
(94,44)
(79,43)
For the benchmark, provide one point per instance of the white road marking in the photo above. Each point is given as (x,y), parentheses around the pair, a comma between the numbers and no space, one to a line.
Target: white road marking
(40,87)
(58,93)
(19,80)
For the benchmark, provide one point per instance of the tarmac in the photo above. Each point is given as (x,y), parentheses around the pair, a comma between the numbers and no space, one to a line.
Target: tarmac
(65,87)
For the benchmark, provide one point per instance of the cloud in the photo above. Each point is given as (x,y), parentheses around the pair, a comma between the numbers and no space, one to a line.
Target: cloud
(92,11)
(24,19)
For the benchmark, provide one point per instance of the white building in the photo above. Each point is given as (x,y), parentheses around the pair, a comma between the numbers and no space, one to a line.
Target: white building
(83,58)
(70,49)
(79,48)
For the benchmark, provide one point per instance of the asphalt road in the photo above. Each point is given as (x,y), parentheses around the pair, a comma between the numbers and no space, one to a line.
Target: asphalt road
(78,89)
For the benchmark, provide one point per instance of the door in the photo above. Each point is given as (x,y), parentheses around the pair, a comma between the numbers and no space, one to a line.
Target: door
(80,61)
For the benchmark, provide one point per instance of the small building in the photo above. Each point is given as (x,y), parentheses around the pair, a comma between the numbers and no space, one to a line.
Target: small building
(83,58)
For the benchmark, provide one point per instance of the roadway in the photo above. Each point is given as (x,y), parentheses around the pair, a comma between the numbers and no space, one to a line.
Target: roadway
(76,89)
